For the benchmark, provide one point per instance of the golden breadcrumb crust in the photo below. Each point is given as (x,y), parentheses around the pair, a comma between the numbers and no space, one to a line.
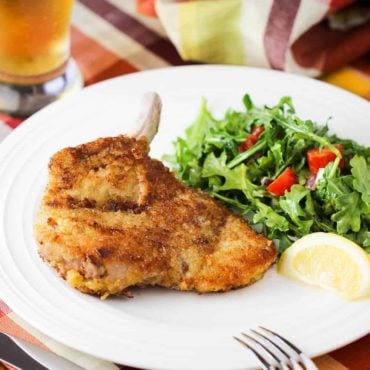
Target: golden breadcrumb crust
(112,217)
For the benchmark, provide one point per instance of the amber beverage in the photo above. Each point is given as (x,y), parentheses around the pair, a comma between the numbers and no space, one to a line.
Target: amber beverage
(34,38)
(35,64)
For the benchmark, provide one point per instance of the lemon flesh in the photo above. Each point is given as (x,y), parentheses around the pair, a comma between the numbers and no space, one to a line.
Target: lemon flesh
(330,262)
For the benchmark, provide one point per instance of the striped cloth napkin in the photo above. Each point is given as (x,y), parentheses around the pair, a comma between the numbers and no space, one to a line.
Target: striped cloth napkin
(310,37)
(109,38)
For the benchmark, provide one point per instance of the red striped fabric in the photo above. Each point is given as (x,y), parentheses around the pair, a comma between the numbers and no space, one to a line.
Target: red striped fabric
(4,309)
(278,30)
(134,29)
(337,4)
(326,49)
(95,61)
(12,122)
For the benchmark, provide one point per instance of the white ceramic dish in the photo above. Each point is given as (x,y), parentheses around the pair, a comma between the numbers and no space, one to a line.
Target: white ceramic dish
(163,329)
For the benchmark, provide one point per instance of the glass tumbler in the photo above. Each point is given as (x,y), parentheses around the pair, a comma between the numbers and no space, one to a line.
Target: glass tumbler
(35,63)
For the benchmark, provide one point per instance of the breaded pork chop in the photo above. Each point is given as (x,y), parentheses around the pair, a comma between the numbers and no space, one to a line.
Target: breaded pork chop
(112,218)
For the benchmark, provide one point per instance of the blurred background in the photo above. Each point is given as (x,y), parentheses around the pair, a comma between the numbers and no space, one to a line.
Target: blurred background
(327,39)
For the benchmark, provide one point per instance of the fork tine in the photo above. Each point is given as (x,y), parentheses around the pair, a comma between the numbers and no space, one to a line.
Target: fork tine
(256,353)
(272,354)
(286,363)
(286,341)
(272,342)
(304,359)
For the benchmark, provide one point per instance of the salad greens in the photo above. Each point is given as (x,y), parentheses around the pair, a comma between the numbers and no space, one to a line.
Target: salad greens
(336,199)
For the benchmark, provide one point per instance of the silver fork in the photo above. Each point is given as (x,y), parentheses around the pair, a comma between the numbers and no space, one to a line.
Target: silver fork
(274,351)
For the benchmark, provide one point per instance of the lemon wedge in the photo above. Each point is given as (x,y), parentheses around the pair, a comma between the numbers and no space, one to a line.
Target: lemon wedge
(330,262)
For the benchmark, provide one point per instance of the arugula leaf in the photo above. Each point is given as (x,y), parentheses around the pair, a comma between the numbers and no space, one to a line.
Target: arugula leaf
(276,150)
(283,113)
(364,237)
(234,178)
(291,204)
(361,172)
(247,154)
(214,165)
(268,216)
(195,133)
(247,102)
(349,215)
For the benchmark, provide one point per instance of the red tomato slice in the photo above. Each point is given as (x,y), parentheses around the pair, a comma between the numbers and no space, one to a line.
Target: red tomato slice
(283,182)
(251,139)
(320,158)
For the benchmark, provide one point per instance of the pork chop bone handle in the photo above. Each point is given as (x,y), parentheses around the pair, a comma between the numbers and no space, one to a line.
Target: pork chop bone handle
(149,116)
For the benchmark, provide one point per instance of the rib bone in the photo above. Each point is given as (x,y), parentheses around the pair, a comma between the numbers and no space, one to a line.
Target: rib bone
(149,117)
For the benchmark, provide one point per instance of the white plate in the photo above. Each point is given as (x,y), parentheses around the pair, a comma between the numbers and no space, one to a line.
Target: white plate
(163,329)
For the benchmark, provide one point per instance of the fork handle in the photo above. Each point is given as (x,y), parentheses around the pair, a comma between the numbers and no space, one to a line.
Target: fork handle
(308,363)
(284,367)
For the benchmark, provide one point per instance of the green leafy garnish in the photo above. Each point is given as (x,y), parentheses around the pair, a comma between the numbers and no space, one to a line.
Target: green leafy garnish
(209,157)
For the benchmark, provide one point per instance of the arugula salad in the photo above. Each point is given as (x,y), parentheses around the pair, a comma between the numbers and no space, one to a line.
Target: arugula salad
(287,176)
